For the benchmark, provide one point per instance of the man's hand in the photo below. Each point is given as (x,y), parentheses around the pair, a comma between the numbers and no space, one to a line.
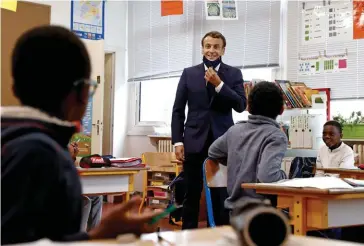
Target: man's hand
(180,152)
(123,219)
(212,77)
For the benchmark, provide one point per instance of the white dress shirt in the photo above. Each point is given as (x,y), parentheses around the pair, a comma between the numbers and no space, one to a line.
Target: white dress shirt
(217,89)
(341,157)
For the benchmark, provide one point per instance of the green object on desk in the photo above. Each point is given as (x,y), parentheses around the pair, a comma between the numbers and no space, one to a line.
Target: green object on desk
(167,211)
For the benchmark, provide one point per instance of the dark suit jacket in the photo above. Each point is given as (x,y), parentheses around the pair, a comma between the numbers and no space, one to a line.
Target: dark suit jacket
(205,111)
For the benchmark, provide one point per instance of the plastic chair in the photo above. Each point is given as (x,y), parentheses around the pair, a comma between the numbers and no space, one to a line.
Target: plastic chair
(214,175)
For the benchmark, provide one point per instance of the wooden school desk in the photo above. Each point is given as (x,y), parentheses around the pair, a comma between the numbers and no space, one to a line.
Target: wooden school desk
(313,209)
(345,173)
(108,181)
(215,236)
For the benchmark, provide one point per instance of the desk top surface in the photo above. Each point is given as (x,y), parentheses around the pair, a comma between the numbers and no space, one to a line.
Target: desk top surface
(341,170)
(313,191)
(220,236)
(109,170)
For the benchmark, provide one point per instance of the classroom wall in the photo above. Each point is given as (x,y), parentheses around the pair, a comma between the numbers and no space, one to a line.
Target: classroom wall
(115,41)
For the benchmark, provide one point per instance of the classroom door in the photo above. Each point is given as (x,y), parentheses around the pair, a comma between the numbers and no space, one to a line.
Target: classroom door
(97,55)
(108,124)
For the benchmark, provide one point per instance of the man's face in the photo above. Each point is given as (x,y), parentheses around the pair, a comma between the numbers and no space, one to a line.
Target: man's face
(331,136)
(213,48)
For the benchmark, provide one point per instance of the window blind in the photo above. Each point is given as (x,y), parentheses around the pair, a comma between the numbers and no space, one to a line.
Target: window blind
(252,40)
(163,46)
(158,45)
(347,84)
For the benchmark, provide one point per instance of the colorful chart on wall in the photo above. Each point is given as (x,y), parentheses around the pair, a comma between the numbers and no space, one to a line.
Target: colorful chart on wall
(309,66)
(340,22)
(319,65)
(358,19)
(335,64)
(313,25)
(87,18)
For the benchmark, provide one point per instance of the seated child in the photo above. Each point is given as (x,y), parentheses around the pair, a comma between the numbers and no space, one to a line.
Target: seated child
(92,205)
(253,150)
(41,190)
(335,153)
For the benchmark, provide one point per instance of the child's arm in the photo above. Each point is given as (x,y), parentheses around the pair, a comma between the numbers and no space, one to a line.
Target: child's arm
(218,149)
(319,173)
(348,160)
(269,167)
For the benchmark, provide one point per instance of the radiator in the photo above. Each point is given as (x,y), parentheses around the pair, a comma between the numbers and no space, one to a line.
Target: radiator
(165,146)
(359,149)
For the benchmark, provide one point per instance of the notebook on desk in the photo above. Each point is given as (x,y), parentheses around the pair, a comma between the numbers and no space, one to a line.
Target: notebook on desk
(354,182)
(316,182)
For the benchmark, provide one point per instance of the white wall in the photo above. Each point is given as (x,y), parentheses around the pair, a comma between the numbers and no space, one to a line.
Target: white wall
(115,41)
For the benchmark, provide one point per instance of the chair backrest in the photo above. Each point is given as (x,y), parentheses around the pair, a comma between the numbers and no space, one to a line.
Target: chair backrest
(216,174)
(302,167)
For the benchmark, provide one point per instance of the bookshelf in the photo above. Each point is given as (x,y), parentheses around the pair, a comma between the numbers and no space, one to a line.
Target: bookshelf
(163,169)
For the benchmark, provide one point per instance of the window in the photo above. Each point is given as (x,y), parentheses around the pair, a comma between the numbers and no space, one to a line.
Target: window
(157,96)
(346,107)
(156,100)
(251,75)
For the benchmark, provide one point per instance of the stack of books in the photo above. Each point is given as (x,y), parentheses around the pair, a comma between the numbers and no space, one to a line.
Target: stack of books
(296,94)
(127,162)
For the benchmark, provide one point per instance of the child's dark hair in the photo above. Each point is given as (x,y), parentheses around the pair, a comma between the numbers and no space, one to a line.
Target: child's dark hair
(46,61)
(265,99)
(335,124)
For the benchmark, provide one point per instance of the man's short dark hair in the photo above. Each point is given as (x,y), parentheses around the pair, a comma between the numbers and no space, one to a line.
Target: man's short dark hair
(214,34)
(46,61)
(265,99)
(335,124)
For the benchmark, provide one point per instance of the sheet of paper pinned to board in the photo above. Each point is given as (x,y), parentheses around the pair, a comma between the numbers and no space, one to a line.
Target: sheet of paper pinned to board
(9,4)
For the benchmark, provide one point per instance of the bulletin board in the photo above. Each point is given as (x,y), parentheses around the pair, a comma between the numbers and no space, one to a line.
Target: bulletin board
(322,49)
(13,24)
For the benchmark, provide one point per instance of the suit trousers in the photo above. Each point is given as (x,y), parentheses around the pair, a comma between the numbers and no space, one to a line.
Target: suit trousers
(192,168)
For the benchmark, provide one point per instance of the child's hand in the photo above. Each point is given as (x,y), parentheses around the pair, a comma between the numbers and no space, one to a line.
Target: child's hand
(73,149)
(125,218)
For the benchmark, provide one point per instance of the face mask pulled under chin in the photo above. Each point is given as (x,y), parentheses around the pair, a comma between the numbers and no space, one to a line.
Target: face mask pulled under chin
(209,63)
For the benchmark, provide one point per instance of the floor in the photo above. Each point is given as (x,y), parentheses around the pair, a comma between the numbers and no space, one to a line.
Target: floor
(164,225)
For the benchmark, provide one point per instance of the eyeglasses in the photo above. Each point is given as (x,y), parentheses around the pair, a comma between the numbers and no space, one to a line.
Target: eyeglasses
(91,83)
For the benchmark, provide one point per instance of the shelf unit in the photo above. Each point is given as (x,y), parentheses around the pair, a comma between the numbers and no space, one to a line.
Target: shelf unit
(163,168)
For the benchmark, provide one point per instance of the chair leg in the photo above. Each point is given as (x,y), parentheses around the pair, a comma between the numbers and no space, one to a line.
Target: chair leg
(210,213)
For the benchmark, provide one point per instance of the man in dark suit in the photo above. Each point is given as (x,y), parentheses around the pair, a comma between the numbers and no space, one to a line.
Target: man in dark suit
(211,90)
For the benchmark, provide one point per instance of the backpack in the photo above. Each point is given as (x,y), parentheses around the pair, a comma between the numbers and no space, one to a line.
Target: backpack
(95,161)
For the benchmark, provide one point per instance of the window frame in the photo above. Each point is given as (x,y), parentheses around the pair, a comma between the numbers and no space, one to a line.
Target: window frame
(142,128)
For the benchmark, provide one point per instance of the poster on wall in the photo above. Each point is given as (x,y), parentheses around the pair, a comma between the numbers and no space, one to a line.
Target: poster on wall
(335,64)
(313,25)
(213,9)
(358,19)
(169,7)
(229,10)
(9,4)
(310,66)
(83,138)
(340,22)
(221,10)
(87,18)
